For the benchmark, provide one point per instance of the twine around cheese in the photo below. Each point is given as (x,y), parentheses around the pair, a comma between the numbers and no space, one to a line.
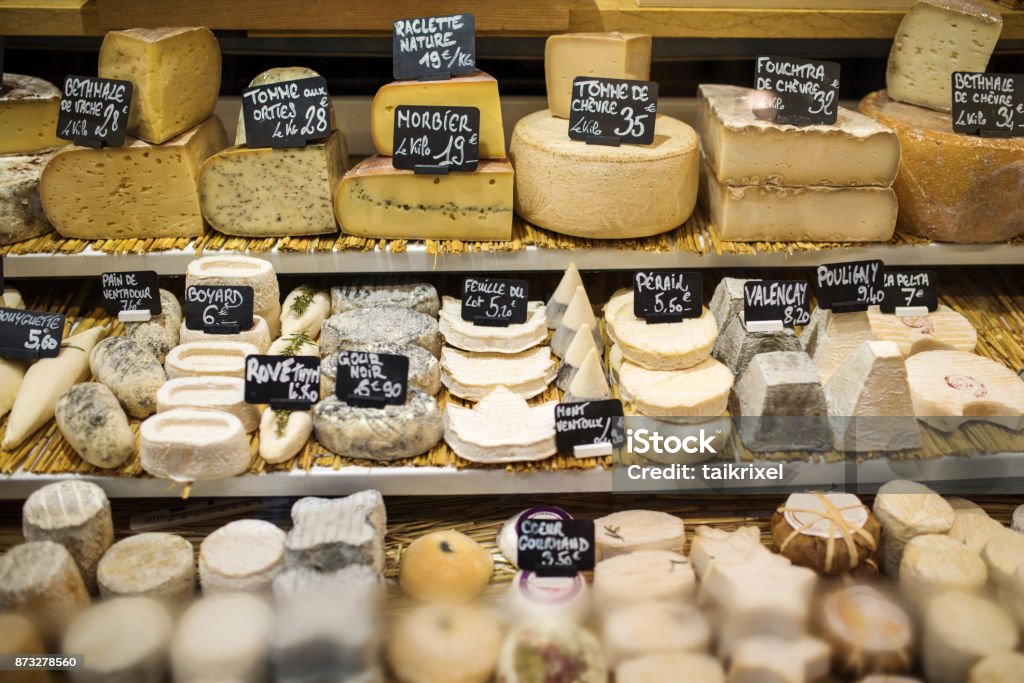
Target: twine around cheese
(839,527)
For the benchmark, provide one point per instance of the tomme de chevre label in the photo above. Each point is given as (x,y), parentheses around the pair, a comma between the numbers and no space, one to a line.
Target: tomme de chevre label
(990,105)
(372,380)
(665,296)
(436,139)
(433,48)
(589,422)
(220,309)
(613,110)
(30,334)
(852,286)
(494,302)
(286,114)
(786,301)
(94,111)
(909,289)
(555,547)
(137,290)
(803,92)
(292,381)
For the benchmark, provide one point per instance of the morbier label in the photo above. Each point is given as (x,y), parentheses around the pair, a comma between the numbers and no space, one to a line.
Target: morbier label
(494,302)
(784,301)
(798,92)
(667,296)
(219,309)
(585,423)
(94,111)
(30,334)
(372,380)
(131,291)
(286,114)
(908,289)
(433,48)
(283,382)
(431,139)
(851,286)
(612,111)
(989,105)
(554,547)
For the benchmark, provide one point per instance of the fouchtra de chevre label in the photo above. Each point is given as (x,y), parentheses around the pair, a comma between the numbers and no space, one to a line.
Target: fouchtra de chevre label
(286,114)
(94,111)
(219,309)
(429,139)
(30,334)
(785,301)
(849,287)
(283,382)
(909,289)
(372,380)
(433,48)
(554,547)
(613,111)
(989,105)
(131,291)
(797,92)
(666,296)
(584,423)
(494,302)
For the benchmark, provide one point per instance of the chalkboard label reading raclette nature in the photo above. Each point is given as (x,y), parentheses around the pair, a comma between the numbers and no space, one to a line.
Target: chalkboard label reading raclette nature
(286,114)
(429,139)
(283,382)
(783,301)
(613,111)
(989,105)
(910,289)
(585,423)
(372,380)
(433,48)
(219,309)
(30,334)
(850,287)
(555,547)
(131,291)
(494,302)
(94,111)
(797,92)
(667,296)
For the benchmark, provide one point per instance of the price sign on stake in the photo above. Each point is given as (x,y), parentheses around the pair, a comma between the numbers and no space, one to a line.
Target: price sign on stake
(94,111)
(286,114)
(849,287)
(667,296)
(612,111)
(219,309)
(372,380)
(910,293)
(989,105)
(433,48)
(132,295)
(555,547)
(798,92)
(589,428)
(30,334)
(436,139)
(494,303)
(771,305)
(284,382)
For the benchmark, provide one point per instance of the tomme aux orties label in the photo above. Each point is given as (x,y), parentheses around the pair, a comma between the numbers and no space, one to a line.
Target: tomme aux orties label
(286,114)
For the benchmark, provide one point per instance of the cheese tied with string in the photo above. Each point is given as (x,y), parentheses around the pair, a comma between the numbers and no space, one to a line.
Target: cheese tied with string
(831,533)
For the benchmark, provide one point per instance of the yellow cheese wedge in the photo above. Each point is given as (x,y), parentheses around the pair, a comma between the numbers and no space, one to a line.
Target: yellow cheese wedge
(28,115)
(942,329)
(607,55)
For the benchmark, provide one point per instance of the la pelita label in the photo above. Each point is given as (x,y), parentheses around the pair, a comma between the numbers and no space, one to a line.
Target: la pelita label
(433,48)
(909,290)
(30,334)
(430,139)
(989,105)
(131,291)
(555,547)
(284,382)
(94,111)
(667,296)
(494,302)
(784,301)
(219,309)
(286,114)
(372,380)
(849,287)
(613,111)
(800,92)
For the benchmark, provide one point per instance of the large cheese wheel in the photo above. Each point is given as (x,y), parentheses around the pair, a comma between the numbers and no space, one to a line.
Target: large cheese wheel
(603,192)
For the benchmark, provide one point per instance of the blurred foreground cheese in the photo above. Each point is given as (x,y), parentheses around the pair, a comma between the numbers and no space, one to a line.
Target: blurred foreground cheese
(28,114)
(136,191)
(604,55)
(950,388)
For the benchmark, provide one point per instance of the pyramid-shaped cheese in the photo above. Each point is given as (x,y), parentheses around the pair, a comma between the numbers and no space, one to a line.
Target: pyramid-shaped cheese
(577,313)
(832,337)
(559,301)
(590,383)
(502,427)
(580,346)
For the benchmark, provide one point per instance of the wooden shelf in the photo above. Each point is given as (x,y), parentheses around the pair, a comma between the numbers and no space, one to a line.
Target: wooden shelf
(49,18)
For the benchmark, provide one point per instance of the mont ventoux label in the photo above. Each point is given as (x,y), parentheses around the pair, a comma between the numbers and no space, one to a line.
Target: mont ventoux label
(433,48)
(849,287)
(285,381)
(613,110)
(372,380)
(430,139)
(785,301)
(589,422)
(909,289)
(286,114)
(219,309)
(555,547)
(801,92)
(665,296)
(990,105)
(137,290)
(94,111)
(494,302)
(30,334)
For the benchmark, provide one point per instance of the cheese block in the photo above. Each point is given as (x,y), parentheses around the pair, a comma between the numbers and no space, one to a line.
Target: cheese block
(419,296)
(907,509)
(258,335)
(736,346)
(579,348)
(832,533)
(241,556)
(662,346)
(508,536)
(651,628)
(712,545)
(75,514)
(175,73)
(769,213)
(226,394)
(579,312)
(391,432)
(868,631)
(502,427)
(933,564)
(743,149)
(605,55)
(973,527)
(979,203)
(1003,555)
(443,643)
(696,394)
(424,370)
(132,373)
(942,329)
(576,189)
(242,270)
(298,344)
(223,638)
(559,301)
(445,566)
(209,358)
(21,211)
(950,388)
(361,583)
(936,38)
(265,192)
(665,667)
(45,382)
(19,636)
(159,334)
(377,200)
(278,75)
(631,530)
(40,580)
(193,444)
(513,338)
(590,383)
(304,310)
(473,376)
(727,299)
(28,115)
(136,191)
(1001,667)
(655,576)
(545,646)
(830,338)
(155,565)
(535,598)
(93,423)
(284,434)
(123,639)
(476,89)
(959,631)
(768,658)
(332,534)
(393,324)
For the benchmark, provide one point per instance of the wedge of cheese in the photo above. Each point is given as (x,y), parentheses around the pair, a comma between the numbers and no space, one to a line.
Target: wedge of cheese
(579,348)
(605,55)
(590,383)
(941,329)
(473,376)
(660,346)
(465,335)
(502,427)
(249,271)
(21,210)
(28,115)
(191,444)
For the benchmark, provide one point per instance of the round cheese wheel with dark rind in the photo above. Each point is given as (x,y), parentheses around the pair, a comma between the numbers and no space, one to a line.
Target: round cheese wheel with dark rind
(391,432)
(393,324)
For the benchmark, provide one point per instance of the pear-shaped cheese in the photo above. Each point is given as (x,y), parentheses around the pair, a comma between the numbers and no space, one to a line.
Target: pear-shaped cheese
(502,427)
(663,346)
(513,338)
(474,375)
(283,434)
(304,310)
(559,301)
(132,373)
(258,335)
(579,312)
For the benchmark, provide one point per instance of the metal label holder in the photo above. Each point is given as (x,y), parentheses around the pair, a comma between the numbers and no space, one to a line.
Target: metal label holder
(484,321)
(365,401)
(431,169)
(222,328)
(278,404)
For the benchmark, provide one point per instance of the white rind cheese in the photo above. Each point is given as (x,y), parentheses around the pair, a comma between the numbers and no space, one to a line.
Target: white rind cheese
(959,631)
(304,310)
(867,630)
(513,338)
(830,338)
(942,329)
(713,545)
(40,580)
(130,371)
(226,394)
(190,444)
(419,296)
(159,334)
(696,394)
(589,382)
(1003,555)
(578,313)
(284,434)
(223,638)
(652,628)
(21,210)
(663,346)
(559,301)
(258,335)
(91,420)
(534,598)
(579,348)
(631,530)
(972,526)
(1001,667)
(242,270)
(391,432)
(122,639)
(473,376)
(241,556)
(502,427)
(907,509)
(508,536)
(154,565)
(209,358)
(394,324)
(332,534)
(933,564)
(294,345)
(643,576)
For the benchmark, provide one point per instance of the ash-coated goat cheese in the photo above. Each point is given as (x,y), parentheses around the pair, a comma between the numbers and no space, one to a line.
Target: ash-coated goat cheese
(419,296)
(424,369)
(332,534)
(94,424)
(159,334)
(132,373)
(241,556)
(193,444)
(391,432)
(589,382)
(155,565)
(394,324)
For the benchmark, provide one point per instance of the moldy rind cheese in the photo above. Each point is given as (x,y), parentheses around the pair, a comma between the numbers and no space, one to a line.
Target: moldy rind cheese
(28,115)
(21,211)
(604,55)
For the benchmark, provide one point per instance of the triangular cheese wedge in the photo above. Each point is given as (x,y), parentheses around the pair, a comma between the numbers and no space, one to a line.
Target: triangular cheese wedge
(474,375)
(579,312)
(463,334)
(940,330)
(582,344)
(559,301)
(590,383)
(502,427)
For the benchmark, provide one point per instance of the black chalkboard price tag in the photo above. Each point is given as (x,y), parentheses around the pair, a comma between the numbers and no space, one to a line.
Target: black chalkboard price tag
(849,287)
(989,105)
(284,382)
(494,302)
(771,305)
(372,380)
(910,292)
(131,292)
(219,309)
(555,547)
(286,114)
(667,296)
(30,334)
(436,140)
(433,48)
(613,111)
(801,92)
(589,428)
(94,111)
